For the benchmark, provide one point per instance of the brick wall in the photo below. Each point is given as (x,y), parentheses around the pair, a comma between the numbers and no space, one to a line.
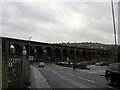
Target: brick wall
(5,54)
(4,75)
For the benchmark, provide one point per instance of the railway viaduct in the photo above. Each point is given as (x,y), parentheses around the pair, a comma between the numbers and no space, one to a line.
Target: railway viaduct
(47,51)
(16,54)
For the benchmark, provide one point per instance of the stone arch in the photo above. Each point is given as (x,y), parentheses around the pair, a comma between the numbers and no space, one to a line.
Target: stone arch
(78,55)
(89,55)
(83,55)
(93,54)
(39,53)
(72,55)
(64,54)
(30,51)
(18,49)
(15,49)
(106,54)
(98,54)
(57,52)
(102,54)
(49,54)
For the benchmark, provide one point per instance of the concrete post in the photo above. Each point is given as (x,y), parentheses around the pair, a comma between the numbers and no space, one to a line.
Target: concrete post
(0,63)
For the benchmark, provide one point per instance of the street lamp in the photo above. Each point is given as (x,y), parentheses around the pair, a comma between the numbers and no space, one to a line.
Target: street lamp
(45,54)
(29,48)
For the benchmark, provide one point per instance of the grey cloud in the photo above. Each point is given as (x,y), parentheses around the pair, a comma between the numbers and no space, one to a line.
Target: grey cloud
(47,24)
(29,11)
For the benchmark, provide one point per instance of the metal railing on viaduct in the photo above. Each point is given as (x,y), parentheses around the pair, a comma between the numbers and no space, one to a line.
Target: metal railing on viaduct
(16,54)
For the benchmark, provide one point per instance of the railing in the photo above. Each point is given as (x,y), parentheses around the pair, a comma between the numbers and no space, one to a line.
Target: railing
(18,73)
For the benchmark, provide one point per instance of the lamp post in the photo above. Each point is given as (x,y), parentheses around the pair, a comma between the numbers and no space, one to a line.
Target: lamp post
(45,55)
(29,48)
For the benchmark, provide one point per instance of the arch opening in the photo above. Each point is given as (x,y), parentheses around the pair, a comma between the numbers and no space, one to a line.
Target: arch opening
(83,55)
(39,53)
(65,54)
(78,55)
(89,55)
(72,55)
(57,54)
(49,54)
(30,51)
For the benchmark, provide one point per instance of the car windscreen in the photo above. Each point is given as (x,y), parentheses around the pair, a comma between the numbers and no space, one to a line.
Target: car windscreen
(115,66)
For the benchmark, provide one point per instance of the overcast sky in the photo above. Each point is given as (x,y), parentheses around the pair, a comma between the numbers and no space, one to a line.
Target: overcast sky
(59,21)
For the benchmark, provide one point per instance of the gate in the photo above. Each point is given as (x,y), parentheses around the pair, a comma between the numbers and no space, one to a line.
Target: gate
(15,74)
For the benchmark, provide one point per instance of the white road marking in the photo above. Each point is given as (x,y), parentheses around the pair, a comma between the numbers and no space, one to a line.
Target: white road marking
(112,88)
(69,74)
(75,83)
(92,72)
(86,79)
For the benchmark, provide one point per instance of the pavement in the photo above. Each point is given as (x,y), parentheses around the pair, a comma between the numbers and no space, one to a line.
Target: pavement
(37,79)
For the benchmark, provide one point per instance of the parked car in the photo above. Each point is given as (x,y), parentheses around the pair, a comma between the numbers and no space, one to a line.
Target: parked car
(41,64)
(62,63)
(112,74)
(104,63)
(58,63)
(82,65)
(97,64)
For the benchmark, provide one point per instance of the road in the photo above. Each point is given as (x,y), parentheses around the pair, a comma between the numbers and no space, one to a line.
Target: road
(64,77)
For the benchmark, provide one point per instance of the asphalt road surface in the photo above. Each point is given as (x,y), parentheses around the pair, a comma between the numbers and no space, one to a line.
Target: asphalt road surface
(63,77)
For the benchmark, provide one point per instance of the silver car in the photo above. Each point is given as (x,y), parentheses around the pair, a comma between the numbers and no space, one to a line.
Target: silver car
(41,64)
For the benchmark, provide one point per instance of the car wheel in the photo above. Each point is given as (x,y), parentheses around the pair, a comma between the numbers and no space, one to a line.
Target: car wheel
(109,81)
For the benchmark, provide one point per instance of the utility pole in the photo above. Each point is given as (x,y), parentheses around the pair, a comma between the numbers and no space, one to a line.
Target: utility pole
(114,30)
(114,22)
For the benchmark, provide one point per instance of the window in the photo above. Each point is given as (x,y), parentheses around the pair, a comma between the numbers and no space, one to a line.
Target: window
(114,66)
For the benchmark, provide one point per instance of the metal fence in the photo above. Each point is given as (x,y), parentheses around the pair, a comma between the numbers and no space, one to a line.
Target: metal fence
(18,72)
